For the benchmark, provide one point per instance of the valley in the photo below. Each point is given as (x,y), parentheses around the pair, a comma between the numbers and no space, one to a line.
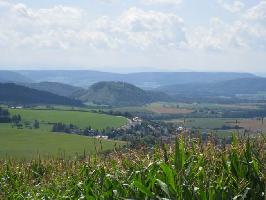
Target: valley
(110,126)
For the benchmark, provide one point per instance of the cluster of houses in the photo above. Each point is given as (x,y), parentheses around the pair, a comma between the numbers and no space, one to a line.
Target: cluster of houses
(102,137)
(15,107)
(137,120)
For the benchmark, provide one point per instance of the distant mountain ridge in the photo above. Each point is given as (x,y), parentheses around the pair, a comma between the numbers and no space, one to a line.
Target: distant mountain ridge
(14,77)
(16,94)
(145,80)
(120,94)
(223,88)
(138,88)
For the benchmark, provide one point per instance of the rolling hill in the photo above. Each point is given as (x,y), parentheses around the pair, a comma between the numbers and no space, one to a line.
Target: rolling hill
(56,88)
(12,93)
(121,94)
(223,88)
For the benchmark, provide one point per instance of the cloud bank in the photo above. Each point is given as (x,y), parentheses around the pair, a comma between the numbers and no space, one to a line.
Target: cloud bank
(138,33)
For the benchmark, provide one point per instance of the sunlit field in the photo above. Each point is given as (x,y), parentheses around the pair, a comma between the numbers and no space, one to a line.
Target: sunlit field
(77,118)
(32,144)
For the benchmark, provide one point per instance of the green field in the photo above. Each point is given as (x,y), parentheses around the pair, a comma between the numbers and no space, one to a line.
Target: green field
(205,123)
(78,118)
(27,144)
(181,108)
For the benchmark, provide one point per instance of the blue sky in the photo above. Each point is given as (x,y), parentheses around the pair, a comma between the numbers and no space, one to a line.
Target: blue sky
(128,35)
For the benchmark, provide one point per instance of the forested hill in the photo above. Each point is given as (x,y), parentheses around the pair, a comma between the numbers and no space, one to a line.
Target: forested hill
(223,88)
(12,93)
(56,88)
(121,94)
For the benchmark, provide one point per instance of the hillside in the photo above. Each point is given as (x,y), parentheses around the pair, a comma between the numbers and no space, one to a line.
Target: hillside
(56,88)
(120,94)
(223,88)
(12,93)
(144,80)
(11,76)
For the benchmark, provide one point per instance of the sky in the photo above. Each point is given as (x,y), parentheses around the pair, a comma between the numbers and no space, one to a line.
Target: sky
(134,35)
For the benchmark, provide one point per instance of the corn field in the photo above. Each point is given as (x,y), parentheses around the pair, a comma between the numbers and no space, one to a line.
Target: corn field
(188,169)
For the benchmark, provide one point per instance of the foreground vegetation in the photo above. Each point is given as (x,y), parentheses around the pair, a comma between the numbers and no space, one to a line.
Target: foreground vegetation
(187,170)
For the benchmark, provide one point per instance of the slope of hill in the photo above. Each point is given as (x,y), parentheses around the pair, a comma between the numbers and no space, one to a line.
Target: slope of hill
(121,94)
(223,88)
(11,76)
(12,93)
(56,88)
(145,80)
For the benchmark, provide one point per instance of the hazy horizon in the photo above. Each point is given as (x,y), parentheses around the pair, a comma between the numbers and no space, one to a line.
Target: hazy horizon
(122,70)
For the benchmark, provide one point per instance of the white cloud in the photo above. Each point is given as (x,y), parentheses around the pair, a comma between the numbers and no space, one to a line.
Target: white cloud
(214,37)
(62,27)
(246,32)
(150,28)
(4,3)
(57,15)
(150,2)
(223,36)
(257,12)
(60,33)
(233,6)
(163,2)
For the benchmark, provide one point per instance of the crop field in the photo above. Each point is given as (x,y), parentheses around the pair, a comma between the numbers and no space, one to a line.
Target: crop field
(253,125)
(205,123)
(195,106)
(187,170)
(225,133)
(29,144)
(130,109)
(78,118)
(186,108)
(168,109)
(209,123)
(60,107)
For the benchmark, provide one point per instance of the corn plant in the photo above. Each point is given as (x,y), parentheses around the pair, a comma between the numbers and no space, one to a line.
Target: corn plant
(187,169)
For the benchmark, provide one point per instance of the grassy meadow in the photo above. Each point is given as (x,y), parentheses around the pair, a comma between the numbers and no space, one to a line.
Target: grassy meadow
(81,119)
(30,144)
